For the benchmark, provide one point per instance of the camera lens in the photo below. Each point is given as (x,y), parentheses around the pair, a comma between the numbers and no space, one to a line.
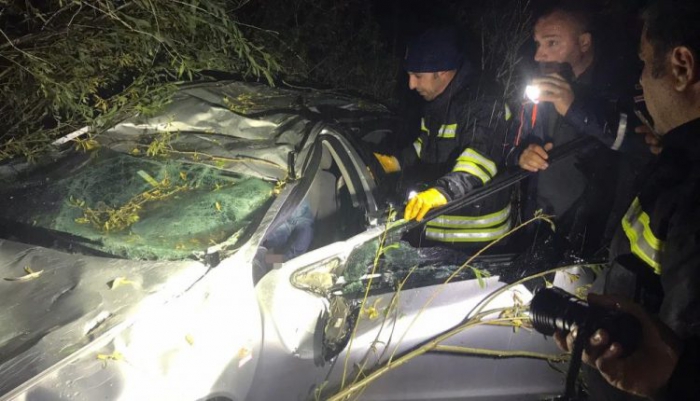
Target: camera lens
(554,309)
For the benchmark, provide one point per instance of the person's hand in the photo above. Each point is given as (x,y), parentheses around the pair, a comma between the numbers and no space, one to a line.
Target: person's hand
(651,139)
(554,88)
(534,157)
(389,163)
(422,203)
(644,372)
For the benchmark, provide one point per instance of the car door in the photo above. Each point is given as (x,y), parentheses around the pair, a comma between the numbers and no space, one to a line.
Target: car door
(346,308)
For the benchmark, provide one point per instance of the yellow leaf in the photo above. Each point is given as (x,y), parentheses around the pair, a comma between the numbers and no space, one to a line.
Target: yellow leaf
(119,281)
(189,339)
(372,312)
(91,144)
(114,356)
(218,206)
(135,151)
(183,175)
(29,276)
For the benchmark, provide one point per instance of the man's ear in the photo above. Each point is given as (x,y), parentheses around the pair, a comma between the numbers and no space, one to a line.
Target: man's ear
(683,68)
(585,42)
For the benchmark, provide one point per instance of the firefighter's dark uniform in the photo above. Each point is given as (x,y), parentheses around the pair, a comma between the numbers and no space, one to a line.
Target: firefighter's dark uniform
(582,191)
(459,148)
(656,251)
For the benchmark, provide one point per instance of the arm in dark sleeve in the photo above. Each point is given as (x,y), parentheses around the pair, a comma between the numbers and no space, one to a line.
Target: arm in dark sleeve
(481,140)
(684,383)
(601,119)
(680,309)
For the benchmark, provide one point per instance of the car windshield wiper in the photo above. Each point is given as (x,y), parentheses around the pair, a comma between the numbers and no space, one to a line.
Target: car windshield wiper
(48,238)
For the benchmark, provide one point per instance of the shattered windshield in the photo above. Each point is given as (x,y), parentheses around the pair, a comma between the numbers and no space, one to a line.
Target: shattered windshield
(400,262)
(133,207)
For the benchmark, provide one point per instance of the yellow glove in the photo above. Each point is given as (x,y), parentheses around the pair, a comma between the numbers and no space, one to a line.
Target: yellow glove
(421,204)
(389,163)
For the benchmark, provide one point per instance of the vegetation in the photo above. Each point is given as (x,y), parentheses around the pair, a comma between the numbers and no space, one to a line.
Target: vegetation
(65,64)
(516,316)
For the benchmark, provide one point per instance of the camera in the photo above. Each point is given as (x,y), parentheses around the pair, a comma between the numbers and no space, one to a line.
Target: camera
(554,309)
(533,92)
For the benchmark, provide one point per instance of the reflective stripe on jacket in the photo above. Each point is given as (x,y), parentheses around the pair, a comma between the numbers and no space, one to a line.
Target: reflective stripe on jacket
(451,228)
(459,148)
(656,251)
(643,242)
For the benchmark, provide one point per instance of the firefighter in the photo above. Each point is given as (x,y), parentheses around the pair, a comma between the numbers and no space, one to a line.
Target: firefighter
(458,145)
(656,251)
(580,93)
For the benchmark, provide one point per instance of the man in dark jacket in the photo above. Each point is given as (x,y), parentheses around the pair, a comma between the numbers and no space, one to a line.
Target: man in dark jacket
(656,250)
(587,101)
(459,145)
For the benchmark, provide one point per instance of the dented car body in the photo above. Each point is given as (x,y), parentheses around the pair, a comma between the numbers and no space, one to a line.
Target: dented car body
(134,268)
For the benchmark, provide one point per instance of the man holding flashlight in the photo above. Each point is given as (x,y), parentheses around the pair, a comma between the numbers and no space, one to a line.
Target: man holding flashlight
(656,250)
(575,95)
(458,148)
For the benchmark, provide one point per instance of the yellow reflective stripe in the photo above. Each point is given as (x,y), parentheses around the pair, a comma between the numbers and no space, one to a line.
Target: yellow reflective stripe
(447,131)
(643,242)
(488,220)
(654,242)
(509,114)
(467,235)
(418,145)
(473,169)
(637,250)
(472,155)
(423,127)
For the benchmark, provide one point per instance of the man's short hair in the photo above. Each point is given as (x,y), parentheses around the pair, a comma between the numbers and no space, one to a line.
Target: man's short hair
(579,11)
(672,23)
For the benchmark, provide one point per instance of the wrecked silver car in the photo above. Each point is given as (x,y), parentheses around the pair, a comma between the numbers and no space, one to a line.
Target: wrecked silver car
(134,265)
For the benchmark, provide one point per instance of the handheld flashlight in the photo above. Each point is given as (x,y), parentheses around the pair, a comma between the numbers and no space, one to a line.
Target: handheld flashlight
(533,92)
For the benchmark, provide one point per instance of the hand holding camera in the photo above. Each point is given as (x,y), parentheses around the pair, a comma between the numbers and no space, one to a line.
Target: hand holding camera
(632,350)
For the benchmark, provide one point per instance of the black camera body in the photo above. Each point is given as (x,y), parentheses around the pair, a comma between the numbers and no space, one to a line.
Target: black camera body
(554,309)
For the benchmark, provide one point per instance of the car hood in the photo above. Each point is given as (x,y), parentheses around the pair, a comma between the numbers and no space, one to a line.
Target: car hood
(55,304)
(251,128)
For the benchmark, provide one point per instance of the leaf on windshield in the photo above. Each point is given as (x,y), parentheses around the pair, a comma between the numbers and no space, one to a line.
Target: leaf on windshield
(387,248)
(573,277)
(114,356)
(29,276)
(118,282)
(480,274)
(372,312)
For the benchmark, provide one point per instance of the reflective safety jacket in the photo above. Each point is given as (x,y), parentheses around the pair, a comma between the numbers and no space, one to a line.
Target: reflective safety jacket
(656,251)
(459,148)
